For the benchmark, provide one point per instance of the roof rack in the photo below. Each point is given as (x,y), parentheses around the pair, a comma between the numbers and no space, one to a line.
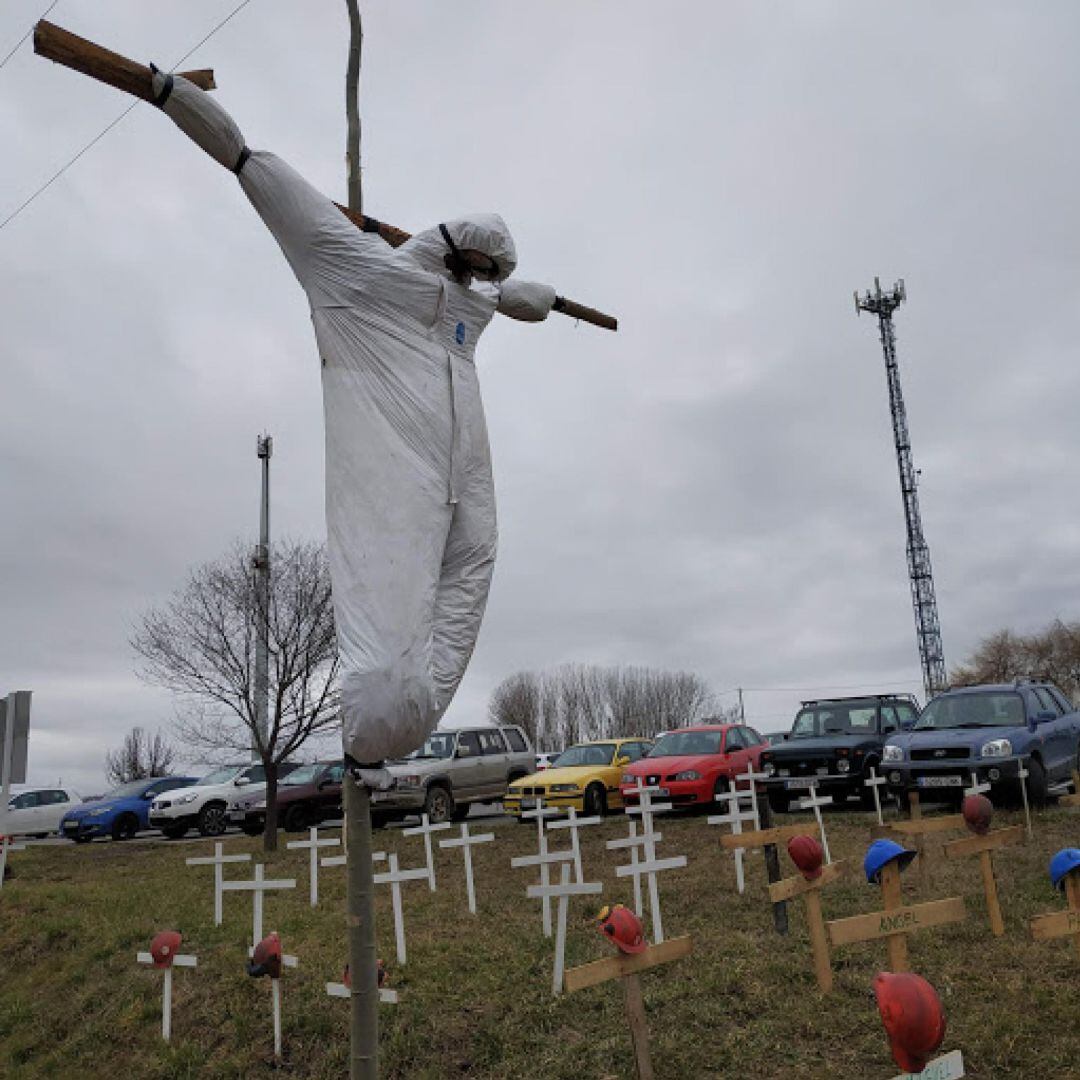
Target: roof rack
(861,697)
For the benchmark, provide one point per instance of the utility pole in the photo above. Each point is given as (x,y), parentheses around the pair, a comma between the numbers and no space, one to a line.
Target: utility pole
(264,448)
(742,711)
(931,652)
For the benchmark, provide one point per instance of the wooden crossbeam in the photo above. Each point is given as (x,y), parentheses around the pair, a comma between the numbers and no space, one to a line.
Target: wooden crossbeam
(615,967)
(1062,923)
(779,835)
(789,888)
(924,826)
(901,920)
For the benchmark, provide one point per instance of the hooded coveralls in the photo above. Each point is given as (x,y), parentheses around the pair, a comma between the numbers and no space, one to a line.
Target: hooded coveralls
(410,502)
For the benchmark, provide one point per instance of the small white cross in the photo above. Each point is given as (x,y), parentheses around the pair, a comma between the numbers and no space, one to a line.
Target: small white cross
(179,960)
(1022,775)
(6,845)
(873,782)
(425,829)
(313,844)
(259,886)
(735,817)
(563,892)
(976,788)
(343,860)
(633,842)
(540,812)
(217,861)
(465,842)
(751,779)
(395,877)
(815,802)
(386,996)
(573,823)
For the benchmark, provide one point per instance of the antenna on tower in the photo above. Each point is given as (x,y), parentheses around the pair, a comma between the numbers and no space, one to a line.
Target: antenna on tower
(931,653)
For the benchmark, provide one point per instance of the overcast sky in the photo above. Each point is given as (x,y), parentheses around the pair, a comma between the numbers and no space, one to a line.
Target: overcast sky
(713,488)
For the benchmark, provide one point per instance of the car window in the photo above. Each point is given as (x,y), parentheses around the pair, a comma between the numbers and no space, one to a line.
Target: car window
(1062,700)
(25,801)
(54,797)
(632,750)
(515,739)
(585,754)
(335,774)
(468,745)
(1046,701)
(889,720)
(906,715)
(168,785)
(753,736)
(257,774)
(835,719)
(491,742)
(735,740)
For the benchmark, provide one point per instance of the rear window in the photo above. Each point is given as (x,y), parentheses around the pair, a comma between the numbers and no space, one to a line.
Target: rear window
(515,738)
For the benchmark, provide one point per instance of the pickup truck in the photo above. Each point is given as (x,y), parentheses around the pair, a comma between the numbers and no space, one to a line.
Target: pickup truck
(452,770)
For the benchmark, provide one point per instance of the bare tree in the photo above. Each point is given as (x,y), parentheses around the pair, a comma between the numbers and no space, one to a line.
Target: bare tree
(139,758)
(201,646)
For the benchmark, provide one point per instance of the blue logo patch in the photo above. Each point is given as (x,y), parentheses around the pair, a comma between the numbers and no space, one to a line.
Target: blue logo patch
(459,333)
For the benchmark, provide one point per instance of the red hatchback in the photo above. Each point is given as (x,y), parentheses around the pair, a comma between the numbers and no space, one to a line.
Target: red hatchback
(692,765)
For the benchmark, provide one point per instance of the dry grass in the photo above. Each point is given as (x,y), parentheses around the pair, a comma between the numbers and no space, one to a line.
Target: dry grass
(476,995)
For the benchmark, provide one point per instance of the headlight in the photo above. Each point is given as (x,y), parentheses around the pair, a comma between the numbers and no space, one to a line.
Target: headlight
(564,787)
(997,748)
(892,753)
(687,774)
(409,781)
(628,778)
(843,765)
(186,799)
(769,768)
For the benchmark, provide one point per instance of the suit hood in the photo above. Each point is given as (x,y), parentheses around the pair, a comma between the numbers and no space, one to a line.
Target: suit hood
(487,233)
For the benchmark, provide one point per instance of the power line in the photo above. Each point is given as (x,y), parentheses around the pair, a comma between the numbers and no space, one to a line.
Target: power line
(811,689)
(15,48)
(101,134)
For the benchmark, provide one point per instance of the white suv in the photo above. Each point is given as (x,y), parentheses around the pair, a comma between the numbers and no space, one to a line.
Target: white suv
(203,804)
(38,813)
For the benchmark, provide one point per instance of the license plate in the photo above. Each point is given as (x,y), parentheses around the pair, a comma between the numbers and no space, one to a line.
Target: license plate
(941,781)
(527,802)
(663,792)
(802,782)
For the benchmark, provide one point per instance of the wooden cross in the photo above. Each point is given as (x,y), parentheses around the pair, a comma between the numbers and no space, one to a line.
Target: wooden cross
(626,967)
(541,859)
(313,843)
(788,889)
(6,845)
(1022,775)
(983,846)
(633,842)
(218,861)
(976,788)
(917,828)
(573,823)
(873,782)
(735,818)
(395,877)
(465,842)
(563,891)
(259,886)
(896,921)
(765,821)
(425,829)
(1062,923)
(815,802)
(179,960)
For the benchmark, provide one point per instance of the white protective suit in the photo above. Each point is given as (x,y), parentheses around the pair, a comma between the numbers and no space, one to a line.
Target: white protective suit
(410,503)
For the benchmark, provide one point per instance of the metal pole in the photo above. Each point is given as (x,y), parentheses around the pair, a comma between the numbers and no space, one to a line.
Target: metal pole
(7,711)
(742,711)
(264,448)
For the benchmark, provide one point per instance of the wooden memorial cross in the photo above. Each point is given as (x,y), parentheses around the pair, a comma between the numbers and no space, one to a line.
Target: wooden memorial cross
(543,858)
(425,829)
(896,921)
(1074,798)
(1062,923)
(917,828)
(562,892)
(395,877)
(573,823)
(873,782)
(983,846)
(177,960)
(313,844)
(6,845)
(810,891)
(765,821)
(626,967)
(218,861)
(735,818)
(465,842)
(815,802)
(259,886)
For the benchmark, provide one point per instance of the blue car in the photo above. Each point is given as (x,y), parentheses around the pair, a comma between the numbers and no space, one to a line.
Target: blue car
(988,730)
(121,813)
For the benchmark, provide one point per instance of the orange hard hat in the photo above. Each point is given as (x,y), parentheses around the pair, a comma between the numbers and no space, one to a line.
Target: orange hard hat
(912,1014)
(266,959)
(623,927)
(164,947)
(977,811)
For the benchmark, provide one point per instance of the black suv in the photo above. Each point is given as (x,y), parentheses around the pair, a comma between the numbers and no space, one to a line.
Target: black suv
(836,742)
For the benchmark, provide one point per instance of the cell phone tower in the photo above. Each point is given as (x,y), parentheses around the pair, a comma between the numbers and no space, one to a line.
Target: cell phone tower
(931,653)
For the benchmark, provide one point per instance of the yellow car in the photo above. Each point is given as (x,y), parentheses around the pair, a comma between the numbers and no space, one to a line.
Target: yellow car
(585,776)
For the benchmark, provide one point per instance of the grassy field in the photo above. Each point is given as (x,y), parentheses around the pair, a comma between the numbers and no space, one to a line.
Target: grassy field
(476,998)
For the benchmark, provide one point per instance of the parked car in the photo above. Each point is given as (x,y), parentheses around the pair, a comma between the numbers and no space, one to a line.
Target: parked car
(987,731)
(692,765)
(835,743)
(205,804)
(544,759)
(585,776)
(774,738)
(38,812)
(454,769)
(307,795)
(121,813)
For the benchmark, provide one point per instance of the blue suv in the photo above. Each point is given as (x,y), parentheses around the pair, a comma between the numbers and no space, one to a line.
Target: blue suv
(987,730)
(121,813)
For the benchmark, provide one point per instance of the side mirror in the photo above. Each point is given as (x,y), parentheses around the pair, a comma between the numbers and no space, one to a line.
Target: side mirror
(150,794)
(241,781)
(1045,717)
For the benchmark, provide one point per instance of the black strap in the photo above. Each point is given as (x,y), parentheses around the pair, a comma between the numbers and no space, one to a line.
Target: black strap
(461,264)
(560,304)
(449,241)
(166,90)
(242,160)
(370,224)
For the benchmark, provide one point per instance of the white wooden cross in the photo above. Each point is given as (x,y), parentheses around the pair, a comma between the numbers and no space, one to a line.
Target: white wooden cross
(259,886)
(873,782)
(633,842)
(180,960)
(425,829)
(6,845)
(395,877)
(542,858)
(340,990)
(815,802)
(563,891)
(342,860)
(735,817)
(750,779)
(313,844)
(573,823)
(1022,775)
(465,842)
(976,788)
(650,865)
(217,861)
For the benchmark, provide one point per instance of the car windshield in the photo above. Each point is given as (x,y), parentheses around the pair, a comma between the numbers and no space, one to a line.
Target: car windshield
(439,744)
(847,719)
(679,743)
(219,776)
(595,754)
(125,791)
(304,775)
(987,709)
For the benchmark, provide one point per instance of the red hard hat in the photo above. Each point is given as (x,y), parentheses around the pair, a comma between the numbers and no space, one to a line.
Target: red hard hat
(266,960)
(912,1015)
(164,947)
(623,927)
(977,811)
(807,854)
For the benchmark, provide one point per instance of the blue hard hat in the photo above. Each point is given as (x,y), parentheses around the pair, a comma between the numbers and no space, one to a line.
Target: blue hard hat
(881,852)
(1065,860)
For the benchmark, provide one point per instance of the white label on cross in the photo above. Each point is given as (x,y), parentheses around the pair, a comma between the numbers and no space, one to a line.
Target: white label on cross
(465,842)
(178,960)
(259,886)
(395,877)
(873,782)
(313,843)
(425,829)
(976,788)
(218,861)
(573,823)
(815,802)
(563,892)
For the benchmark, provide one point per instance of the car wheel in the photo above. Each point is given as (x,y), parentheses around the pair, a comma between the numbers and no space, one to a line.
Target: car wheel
(174,832)
(81,839)
(779,801)
(1036,783)
(212,819)
(438,804)
(721,787)
(125,827)
(295,819)
(595,802)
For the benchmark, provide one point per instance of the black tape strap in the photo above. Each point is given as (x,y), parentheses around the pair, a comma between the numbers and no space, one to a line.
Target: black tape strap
(560,304)
(371,224)
(166,90)
(242,160)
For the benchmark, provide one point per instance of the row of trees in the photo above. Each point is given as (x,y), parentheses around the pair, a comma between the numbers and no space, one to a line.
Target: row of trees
(1052,654)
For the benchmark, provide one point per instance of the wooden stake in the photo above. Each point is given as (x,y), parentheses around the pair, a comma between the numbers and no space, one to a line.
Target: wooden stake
(983,846)
(639,1026)
(893,898)
(791,887)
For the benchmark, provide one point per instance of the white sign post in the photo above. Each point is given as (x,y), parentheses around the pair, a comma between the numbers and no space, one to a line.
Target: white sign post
(815,802)
(541,859)
(465,842)
(395,877)
(735,817)
(217,861)
(873,782)
(259,886)
(179,960)
(313,844)
(425,829)
(563,892)
(1022,775)
(573,823)
(976,788)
